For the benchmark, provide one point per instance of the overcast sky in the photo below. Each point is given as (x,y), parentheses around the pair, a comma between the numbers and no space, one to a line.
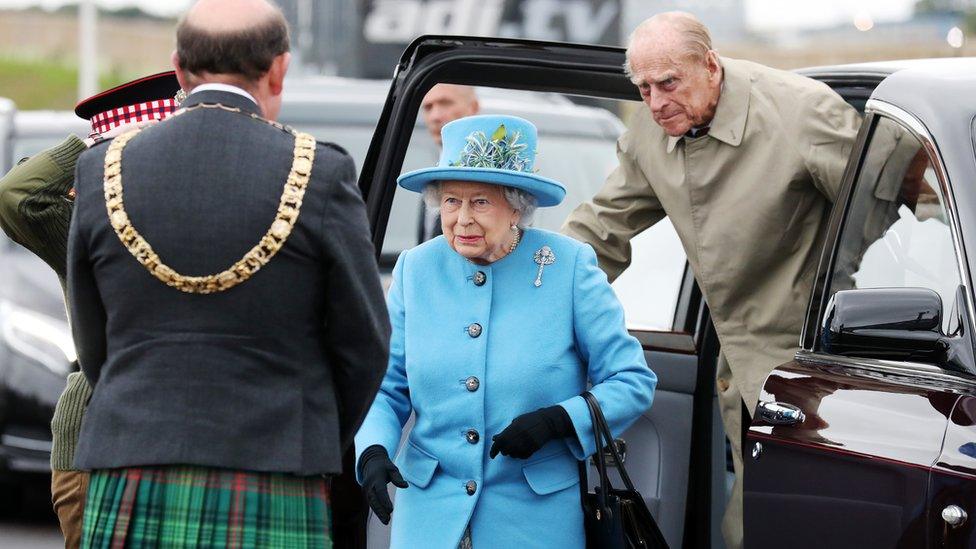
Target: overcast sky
(761,14)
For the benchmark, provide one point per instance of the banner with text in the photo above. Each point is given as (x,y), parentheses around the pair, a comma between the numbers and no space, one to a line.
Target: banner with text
(389,25)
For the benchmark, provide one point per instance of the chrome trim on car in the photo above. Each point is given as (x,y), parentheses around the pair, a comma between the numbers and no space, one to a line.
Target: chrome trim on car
(922,134)
(25,443)
(780,413)
(954,516)
(919,370)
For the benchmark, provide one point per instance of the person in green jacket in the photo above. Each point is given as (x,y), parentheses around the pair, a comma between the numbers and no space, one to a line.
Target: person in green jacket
(35,211)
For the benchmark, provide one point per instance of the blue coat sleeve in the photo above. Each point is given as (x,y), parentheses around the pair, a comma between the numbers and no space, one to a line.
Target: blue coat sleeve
(622,382)
(391,408)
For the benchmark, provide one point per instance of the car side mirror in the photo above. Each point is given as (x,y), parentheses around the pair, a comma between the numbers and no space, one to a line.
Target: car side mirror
(886,323)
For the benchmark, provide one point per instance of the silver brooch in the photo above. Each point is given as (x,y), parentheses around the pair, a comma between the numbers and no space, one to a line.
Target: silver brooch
(543,256)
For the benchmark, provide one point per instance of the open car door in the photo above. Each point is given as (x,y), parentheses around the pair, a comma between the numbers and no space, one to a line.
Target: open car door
(675,453)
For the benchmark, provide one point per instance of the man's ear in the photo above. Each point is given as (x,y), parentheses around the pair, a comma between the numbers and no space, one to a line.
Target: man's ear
(181,75)
(475,107)
(277,72)
(713,64)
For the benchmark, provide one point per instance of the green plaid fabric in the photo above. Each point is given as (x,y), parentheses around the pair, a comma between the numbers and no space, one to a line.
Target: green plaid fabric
(186,506)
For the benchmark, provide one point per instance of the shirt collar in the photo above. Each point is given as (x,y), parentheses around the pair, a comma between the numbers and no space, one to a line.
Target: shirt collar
(729,123)
(216,86)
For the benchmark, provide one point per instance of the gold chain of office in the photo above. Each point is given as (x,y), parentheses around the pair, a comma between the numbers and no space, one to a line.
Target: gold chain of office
(288,210)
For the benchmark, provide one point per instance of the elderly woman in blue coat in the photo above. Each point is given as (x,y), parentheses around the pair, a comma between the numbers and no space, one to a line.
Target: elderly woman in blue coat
(497,328)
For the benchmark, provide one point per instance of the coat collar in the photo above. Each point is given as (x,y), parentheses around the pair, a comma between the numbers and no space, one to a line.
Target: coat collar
(729,123)
(226,98)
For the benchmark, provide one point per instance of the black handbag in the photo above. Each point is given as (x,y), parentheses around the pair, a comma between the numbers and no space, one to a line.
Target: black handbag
(614,519)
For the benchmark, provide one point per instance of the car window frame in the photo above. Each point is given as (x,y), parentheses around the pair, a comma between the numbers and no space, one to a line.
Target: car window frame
(811,340)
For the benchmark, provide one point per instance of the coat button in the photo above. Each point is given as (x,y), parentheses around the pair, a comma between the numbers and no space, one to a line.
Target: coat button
(472,436)
(480,278)
(474,330)
(471,487)
(472,384)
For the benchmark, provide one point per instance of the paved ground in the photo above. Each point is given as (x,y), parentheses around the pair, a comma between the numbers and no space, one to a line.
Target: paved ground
(26,519)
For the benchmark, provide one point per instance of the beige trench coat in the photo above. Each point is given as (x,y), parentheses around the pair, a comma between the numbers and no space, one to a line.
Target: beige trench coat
(749,201)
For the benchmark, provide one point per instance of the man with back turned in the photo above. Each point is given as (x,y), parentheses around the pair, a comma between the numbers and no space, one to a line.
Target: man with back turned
(226,306)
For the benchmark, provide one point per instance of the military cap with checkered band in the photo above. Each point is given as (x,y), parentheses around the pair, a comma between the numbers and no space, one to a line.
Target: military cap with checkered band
(149,98)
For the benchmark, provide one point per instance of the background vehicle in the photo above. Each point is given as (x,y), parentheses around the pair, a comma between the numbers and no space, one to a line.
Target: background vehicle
(867,439)
(7,110)
(35,344)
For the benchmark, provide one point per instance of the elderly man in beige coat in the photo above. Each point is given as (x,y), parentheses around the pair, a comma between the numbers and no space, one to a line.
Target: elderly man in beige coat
(745,160)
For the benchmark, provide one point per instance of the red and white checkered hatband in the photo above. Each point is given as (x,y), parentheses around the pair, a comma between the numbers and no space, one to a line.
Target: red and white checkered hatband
(140,112)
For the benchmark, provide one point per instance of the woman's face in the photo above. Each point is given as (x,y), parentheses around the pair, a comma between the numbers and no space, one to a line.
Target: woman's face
(477,220)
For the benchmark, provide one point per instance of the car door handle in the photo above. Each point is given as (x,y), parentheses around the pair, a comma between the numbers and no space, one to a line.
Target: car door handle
(778,413)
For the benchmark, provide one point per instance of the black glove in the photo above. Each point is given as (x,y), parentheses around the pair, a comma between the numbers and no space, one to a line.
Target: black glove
(377,470)
(529,432)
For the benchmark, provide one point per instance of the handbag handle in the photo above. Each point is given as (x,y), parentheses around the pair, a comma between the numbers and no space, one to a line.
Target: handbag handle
(603,489)
(602,430)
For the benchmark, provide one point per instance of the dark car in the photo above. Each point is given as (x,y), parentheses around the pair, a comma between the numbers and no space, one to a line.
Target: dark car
(867,439)
(36,350)
(36,353)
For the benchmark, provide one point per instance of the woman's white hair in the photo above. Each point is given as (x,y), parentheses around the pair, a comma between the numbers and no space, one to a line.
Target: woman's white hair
(522,202)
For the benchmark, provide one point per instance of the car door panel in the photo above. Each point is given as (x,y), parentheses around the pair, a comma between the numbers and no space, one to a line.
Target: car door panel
(659,442)
(847,475)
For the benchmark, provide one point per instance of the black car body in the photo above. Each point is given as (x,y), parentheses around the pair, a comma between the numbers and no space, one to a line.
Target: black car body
(867,438)
(36,354)
(896,386)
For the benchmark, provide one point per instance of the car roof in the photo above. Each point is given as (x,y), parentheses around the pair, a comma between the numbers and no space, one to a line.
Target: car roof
(351,89)
(44,123)
(883,68)
(335,100)
(930,89)
(941,90)
(940,93)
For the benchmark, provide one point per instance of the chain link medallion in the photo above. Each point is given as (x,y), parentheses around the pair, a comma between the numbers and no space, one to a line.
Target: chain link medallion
(288,211)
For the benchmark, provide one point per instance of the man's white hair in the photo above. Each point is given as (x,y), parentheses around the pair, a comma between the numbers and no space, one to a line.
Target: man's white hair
(522,202)
(696,41)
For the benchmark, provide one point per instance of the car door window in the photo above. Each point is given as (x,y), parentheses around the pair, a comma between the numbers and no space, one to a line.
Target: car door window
(896,232)
(650,287)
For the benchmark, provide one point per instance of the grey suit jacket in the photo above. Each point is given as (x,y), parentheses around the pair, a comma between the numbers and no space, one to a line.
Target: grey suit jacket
(275,374)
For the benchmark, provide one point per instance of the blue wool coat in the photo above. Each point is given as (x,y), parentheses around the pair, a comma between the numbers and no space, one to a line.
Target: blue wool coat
(536,347)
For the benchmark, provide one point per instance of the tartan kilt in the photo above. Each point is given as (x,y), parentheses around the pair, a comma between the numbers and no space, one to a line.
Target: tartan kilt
(189,506)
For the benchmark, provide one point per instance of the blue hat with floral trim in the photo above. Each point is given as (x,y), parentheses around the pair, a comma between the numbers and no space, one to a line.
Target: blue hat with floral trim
(498,150)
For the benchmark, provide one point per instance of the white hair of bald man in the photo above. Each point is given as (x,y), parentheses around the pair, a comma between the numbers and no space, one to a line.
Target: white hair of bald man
(697,41)
(522,202)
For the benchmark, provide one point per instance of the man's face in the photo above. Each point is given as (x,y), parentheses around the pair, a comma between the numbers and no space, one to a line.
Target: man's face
(445,103)
(681,92)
